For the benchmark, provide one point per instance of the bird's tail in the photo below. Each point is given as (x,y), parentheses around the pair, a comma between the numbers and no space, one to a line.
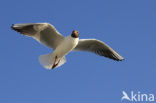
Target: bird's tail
(48,60)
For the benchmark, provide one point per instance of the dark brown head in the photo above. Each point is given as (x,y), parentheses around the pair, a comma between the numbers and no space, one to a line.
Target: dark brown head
(75,34)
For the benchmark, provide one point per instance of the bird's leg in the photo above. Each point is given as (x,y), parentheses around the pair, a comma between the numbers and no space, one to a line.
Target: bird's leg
(55,64)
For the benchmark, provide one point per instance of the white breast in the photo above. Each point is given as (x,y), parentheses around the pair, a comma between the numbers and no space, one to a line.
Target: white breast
(66,46)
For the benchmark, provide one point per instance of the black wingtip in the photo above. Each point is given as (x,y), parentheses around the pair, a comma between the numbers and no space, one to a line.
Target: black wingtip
(12,27)
(121,59)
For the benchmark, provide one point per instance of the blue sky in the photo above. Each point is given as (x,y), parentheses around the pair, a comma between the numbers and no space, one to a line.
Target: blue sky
(128,26)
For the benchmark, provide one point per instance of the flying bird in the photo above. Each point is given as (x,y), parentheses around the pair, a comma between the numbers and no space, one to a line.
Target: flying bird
(46,34)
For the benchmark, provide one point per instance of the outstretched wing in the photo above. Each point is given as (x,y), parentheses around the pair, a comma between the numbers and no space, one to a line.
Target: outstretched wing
(97,47)
(45,33)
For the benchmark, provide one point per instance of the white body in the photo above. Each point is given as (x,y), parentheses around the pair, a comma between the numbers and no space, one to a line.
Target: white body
(58,56)
(67,45)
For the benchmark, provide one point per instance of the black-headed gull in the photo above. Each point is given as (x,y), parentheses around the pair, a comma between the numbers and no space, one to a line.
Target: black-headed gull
(46,34)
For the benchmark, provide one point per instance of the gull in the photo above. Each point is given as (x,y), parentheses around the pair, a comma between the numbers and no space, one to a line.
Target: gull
(47,35)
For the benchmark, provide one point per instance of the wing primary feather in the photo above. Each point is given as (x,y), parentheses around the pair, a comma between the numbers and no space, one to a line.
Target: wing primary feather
(98,47)
(44,33)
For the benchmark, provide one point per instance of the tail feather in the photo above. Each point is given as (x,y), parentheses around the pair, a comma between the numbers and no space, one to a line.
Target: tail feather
(47,61)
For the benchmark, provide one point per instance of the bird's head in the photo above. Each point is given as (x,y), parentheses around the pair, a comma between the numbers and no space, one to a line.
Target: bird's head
(75,34)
